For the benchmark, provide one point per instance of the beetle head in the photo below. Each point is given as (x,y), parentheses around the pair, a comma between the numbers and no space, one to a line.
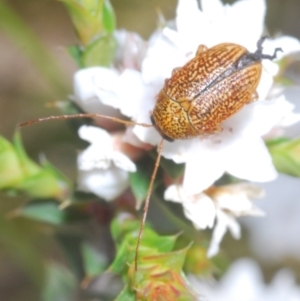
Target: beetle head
(163,135)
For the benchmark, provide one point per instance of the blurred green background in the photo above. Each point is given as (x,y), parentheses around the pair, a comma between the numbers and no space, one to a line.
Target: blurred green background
(24,95)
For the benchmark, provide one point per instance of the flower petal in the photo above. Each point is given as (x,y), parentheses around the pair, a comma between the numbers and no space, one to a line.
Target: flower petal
(201,211)
(250,160)
(107,184)
(161,58)
(219,23)
(92,158)
(95,135)
(235,198)
(131,91)
(204,166)
(131,49)
(175,194)
(123,162)
(224,221)
(95,86)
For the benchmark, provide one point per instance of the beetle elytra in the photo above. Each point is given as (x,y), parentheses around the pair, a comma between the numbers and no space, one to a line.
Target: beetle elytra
(197,98)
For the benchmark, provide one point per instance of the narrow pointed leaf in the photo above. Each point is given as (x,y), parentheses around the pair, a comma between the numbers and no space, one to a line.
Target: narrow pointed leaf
(48,211)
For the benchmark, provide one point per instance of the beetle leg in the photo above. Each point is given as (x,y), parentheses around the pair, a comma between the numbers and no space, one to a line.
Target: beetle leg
(217,129)
(201,48)
(254,97)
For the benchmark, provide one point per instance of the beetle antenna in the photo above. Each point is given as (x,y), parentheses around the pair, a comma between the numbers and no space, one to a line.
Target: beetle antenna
(58,117)
(259,50)
(146,206)
(259,44)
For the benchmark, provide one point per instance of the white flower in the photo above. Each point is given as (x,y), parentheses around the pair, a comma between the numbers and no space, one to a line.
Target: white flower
(239,149)
(102,170)
(131,50)
(244,282)
(217,205)
(99,89)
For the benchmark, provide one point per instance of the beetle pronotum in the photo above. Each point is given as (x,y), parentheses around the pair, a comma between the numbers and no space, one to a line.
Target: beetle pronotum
(197,98)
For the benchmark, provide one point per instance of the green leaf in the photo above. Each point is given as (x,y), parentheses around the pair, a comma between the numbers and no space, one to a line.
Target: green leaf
(19,173)
(139,182)
(94,262)
(125,235)
(171,168)
(100,53)
(26,164)
(129,229)
(76,54)
(159,275)
(30,45)
(48,211)
(10,171)
(286,155)
(109,18)
(48,182)
(60,283)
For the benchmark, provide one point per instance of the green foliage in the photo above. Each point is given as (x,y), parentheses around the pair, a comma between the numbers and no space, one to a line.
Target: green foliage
(19,173)
(159,271)
(48,211)
(161,259)
(125,233)
(286,155)
(100,52)
(94,263)
(94,23)
(76,53)
(174,170)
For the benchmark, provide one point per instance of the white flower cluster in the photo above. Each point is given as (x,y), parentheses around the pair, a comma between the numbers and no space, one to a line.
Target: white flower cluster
(244,282)
(222,203)
(132,88)
(100,163)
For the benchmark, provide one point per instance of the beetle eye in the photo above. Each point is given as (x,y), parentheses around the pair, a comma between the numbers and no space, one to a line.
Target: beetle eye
(152,120)
(167,138)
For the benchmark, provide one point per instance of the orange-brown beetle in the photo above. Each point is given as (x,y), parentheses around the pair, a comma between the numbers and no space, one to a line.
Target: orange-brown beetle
(198,97)
(211,87)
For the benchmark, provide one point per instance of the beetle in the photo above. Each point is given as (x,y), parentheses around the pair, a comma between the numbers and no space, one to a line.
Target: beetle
(197,98)
(210,88)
